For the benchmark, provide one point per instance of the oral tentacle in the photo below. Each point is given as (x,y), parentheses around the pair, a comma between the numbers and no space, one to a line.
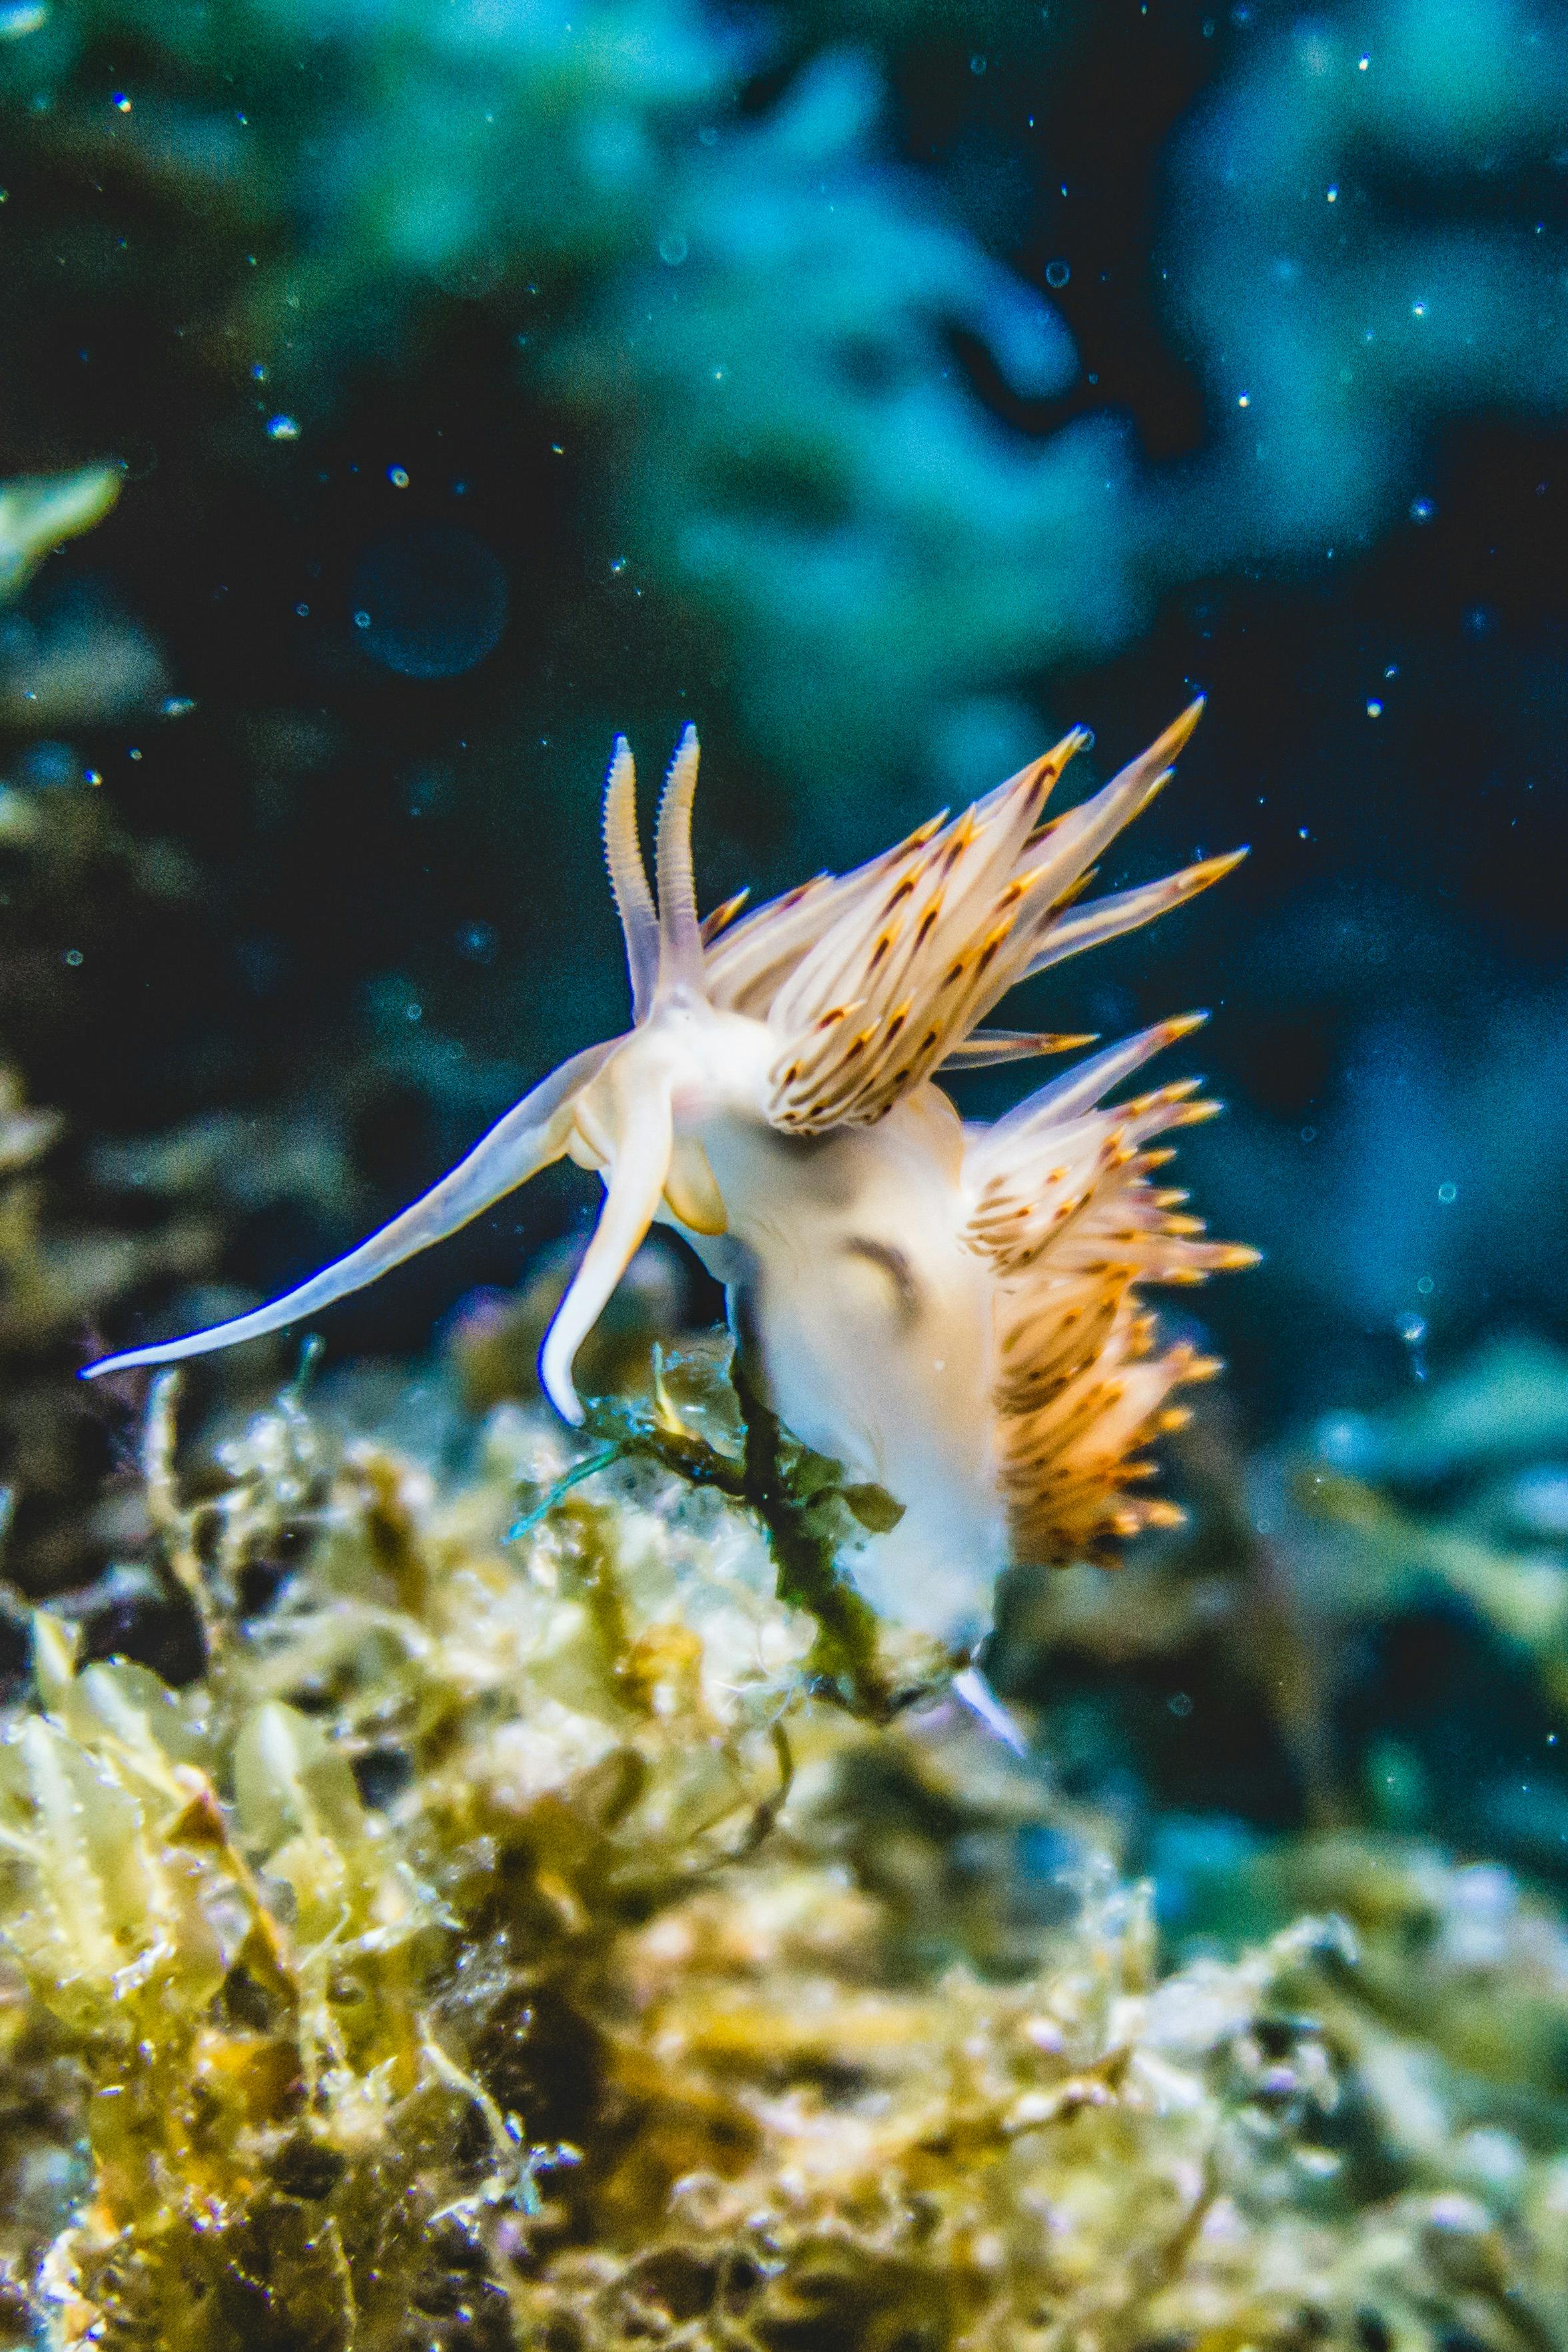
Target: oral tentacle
(532,1134)
(638,1114)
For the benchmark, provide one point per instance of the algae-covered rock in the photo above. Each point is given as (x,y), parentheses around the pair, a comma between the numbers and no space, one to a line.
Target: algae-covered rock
(532,1930)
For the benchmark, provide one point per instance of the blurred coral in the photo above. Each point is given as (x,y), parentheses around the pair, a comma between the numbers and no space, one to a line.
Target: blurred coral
(1334,323)
(594,178)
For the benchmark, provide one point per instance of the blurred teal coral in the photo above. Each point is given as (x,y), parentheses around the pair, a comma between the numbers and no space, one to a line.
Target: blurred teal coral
(1337,317)
(1461,1492)
(755,311)
(798,452)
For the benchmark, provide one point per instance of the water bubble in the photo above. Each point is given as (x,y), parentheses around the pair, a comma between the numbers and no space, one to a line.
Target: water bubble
(432,602)
(1425,1285)
(1179,1703)
(73,956)
(283,428)
(673,248)
(1446,1192)
(977,63)
(303,611)
(1058,273)
(398,476)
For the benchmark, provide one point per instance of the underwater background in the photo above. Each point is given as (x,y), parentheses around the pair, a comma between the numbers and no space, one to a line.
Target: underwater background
(415,393)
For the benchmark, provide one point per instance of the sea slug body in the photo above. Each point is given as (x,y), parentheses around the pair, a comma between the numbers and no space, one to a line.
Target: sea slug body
(952,1310)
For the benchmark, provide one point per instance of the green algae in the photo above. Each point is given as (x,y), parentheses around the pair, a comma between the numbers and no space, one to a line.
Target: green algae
(515,1936)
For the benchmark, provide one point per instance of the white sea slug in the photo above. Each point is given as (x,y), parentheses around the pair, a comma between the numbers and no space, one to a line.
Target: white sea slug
(949,1310)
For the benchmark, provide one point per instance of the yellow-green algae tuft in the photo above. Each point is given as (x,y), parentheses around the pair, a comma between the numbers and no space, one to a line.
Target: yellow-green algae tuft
(531,1929)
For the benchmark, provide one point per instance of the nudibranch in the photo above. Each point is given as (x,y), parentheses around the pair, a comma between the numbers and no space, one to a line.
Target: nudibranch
(950,1310)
